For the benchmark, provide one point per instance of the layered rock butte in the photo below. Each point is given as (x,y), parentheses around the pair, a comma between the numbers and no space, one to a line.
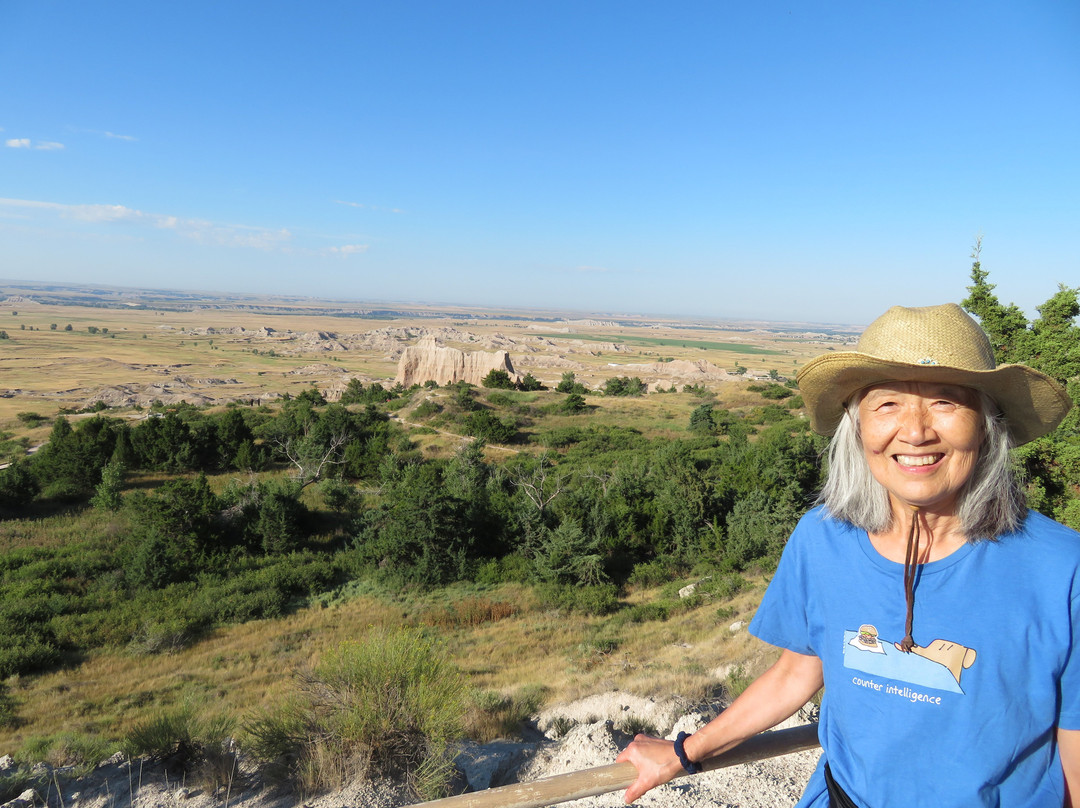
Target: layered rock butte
(429,361)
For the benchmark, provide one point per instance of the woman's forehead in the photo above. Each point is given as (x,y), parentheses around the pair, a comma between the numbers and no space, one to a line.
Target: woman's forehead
(923,389)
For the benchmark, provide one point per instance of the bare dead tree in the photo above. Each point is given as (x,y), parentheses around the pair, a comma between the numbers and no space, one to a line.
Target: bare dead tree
(311,458)
(540,484)
(603,479)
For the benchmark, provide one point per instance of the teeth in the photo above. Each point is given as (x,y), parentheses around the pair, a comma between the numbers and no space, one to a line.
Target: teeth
(917,460)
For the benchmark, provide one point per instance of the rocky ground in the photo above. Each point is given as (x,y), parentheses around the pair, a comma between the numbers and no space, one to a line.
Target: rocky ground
(593,741)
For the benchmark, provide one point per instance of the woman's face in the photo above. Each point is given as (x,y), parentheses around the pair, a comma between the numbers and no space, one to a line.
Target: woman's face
(921,441)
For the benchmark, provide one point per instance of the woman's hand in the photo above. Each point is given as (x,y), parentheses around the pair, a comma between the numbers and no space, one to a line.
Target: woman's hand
(655,761)
(785,687)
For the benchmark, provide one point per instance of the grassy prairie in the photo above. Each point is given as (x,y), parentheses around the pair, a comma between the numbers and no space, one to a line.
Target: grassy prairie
(239,670)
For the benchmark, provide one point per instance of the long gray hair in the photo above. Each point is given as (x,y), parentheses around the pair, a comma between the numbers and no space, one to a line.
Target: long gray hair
(990,504)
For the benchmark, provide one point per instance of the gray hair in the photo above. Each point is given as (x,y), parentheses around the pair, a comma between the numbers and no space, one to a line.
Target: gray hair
(990,504)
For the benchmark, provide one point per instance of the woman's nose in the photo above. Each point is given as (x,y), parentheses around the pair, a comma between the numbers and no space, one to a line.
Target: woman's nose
(915,425)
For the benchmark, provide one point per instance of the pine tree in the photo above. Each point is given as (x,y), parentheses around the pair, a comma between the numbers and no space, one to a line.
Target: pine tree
(1006,326)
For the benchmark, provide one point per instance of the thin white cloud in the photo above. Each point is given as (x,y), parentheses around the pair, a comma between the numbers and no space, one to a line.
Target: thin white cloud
(347,249)
(197,230)
(103,133)
(589,269)
(26,143)
(366,207)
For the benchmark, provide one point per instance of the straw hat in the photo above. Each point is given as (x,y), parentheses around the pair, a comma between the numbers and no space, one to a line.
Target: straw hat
(931,344)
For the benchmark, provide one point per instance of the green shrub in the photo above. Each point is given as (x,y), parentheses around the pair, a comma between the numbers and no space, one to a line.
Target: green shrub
(771,391)
(563,436)
(598,599)
(8,716)
(737,681)
(635,725)
(485,426)
(427,409)
(529,383)
(83,752)
(560,725)
(499,379)
(180,738)
(573,404)
(339,495)
(646,612)
(391,703)
(107,494)
(14,782)
(596,650)
(651,573)
(27,654)
(724,587)
(497,715)
(510,568)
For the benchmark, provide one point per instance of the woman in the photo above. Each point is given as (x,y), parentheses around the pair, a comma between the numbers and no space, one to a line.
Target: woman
(938,613)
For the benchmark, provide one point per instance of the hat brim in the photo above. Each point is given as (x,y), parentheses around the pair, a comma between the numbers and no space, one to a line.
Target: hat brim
(1033,403)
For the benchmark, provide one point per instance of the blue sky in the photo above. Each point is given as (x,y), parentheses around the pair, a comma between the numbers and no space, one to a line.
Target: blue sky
(800,160)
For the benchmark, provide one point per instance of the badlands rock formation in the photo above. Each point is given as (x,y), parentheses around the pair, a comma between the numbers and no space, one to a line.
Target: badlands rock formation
(429,361)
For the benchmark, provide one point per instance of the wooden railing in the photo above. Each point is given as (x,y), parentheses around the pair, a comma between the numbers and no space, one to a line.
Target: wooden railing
(618,776)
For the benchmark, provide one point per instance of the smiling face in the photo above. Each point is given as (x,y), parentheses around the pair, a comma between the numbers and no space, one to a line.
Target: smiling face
(921,441)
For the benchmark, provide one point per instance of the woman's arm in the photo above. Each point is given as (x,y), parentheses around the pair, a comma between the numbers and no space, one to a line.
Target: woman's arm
(772,697)
(1069,749)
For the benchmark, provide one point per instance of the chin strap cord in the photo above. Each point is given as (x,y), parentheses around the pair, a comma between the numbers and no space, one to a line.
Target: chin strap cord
(911,567)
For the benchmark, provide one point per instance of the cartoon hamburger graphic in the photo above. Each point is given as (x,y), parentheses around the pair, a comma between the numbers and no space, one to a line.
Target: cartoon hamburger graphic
(868,636)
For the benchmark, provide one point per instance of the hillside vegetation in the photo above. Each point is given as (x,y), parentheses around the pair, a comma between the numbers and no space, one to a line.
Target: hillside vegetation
(197,558)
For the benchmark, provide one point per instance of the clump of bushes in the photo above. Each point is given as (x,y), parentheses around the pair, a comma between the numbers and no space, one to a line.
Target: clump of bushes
(389,704)
(499,715)
(8,717)
(183,740)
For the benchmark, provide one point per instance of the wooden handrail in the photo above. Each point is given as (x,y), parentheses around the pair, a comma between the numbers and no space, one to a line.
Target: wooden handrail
(616,776)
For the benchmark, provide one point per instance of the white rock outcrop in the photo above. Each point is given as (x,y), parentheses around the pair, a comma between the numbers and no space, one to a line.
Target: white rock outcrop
(429,361)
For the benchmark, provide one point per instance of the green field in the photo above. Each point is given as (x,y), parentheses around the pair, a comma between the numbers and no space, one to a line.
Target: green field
(662,342)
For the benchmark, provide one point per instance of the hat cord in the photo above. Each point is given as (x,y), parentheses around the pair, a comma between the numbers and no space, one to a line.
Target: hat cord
(911,567)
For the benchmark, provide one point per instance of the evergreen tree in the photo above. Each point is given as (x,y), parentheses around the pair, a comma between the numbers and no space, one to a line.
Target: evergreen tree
(498,379)
(1005,325)
(107,495)
(1055,337)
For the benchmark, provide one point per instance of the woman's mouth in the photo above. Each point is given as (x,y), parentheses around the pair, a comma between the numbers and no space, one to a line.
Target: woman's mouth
(912,461)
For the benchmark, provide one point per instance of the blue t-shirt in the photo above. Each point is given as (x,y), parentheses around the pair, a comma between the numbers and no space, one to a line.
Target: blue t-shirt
(968,718)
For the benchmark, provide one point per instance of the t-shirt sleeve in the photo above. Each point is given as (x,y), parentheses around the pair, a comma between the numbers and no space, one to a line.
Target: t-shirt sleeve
(783,619)
(1069,716)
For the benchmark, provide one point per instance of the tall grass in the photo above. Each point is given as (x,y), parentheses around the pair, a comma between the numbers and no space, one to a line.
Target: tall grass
(185,741)
(391,704)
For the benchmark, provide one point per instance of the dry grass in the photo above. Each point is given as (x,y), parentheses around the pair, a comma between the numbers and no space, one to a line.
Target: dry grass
(238,670)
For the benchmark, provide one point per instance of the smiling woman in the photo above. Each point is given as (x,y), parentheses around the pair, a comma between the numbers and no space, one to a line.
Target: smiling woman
(920,500)
(988,503)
